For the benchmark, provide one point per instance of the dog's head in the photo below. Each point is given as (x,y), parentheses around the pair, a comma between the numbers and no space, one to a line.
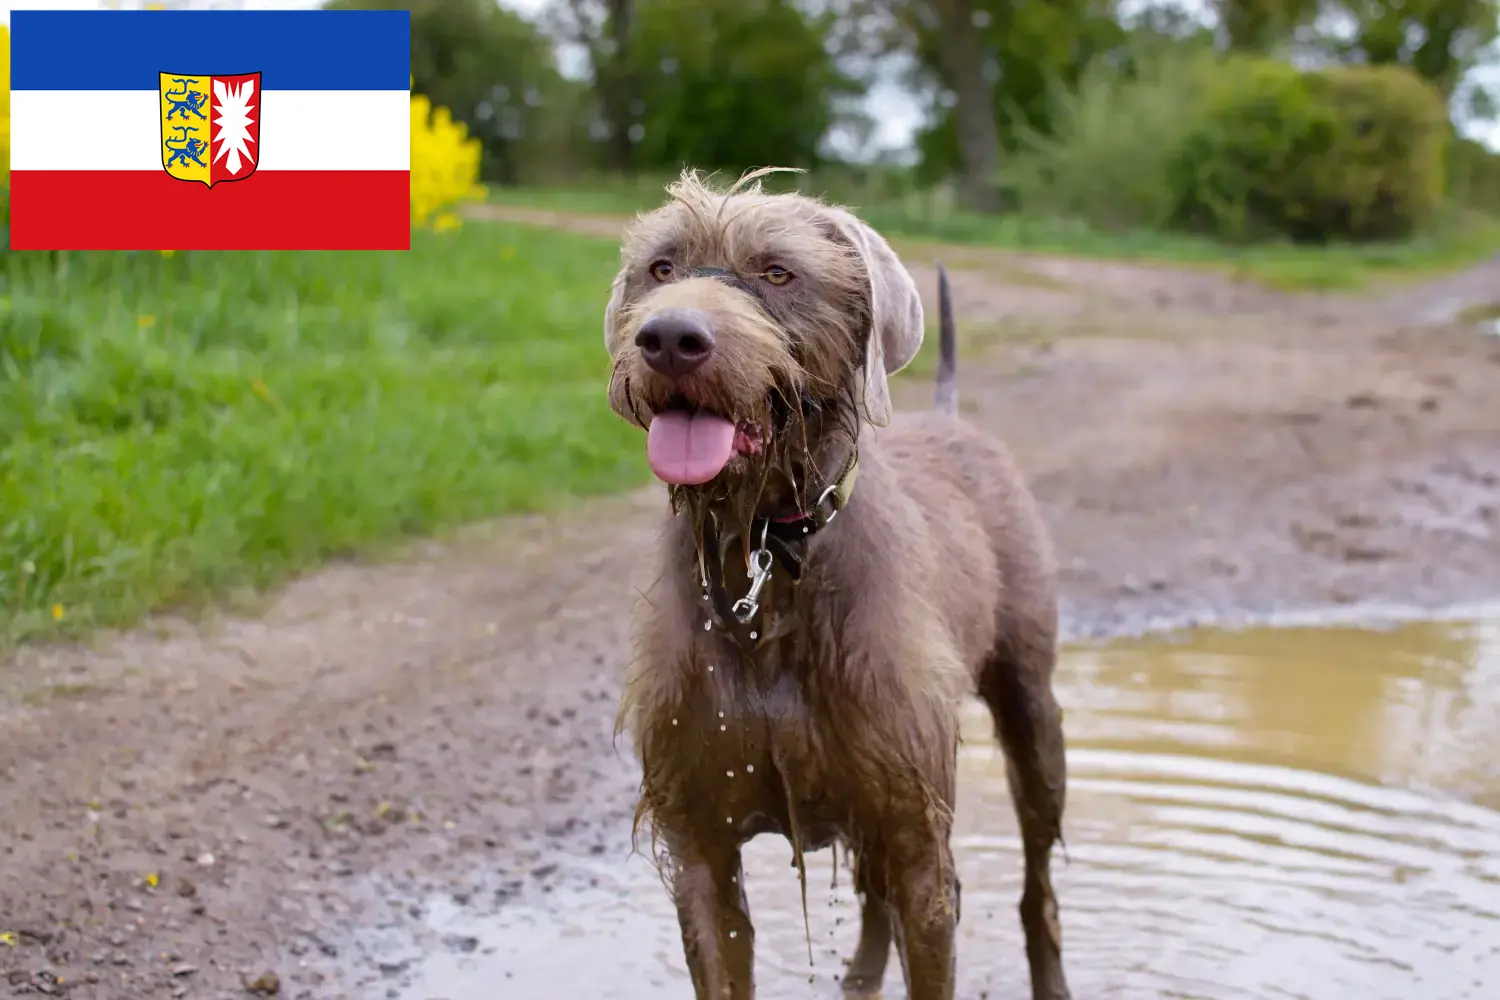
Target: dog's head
(745,328)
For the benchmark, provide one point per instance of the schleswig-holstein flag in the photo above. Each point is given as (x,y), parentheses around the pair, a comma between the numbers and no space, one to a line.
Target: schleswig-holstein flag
(210,130)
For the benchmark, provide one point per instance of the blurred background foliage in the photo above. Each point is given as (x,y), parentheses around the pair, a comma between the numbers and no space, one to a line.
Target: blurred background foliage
(177,425)
(1236,120)
(497,73)
(1241,119)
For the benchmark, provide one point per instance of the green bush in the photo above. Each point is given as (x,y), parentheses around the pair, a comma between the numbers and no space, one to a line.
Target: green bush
(1474,175)
(1106,161)
(732,84)
(1353,153)
(1236,173)
(1385,173)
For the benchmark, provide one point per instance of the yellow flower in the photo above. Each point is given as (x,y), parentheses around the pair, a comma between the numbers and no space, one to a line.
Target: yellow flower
(167,253)
(57,612)
(4,103)
(9,939)
(153,880)
(444,166)
(145,321)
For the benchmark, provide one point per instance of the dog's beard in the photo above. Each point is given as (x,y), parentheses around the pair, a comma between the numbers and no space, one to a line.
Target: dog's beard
(783,442)
(806,440)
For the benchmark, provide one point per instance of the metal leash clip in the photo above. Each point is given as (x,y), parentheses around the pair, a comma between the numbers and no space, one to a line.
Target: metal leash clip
(759,572)
(822,497)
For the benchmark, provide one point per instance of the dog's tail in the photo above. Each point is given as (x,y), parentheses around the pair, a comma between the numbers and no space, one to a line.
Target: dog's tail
(946,391)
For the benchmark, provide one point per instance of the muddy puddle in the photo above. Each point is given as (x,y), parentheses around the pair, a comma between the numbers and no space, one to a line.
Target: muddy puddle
(1308,813)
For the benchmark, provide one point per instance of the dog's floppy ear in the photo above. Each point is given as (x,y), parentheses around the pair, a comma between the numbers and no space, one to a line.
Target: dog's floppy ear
(616,295)
(896,324)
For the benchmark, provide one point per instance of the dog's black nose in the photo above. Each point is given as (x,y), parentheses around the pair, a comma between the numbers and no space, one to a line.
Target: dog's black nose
(675,342)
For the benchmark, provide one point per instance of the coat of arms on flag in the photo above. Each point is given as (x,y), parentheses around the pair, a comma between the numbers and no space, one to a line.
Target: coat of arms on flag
(210,126)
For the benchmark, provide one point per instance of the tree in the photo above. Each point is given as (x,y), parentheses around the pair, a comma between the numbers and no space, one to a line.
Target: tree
(1440,40)
(492,68)
(1261,25)
(971,73)
(731,84)
(991,67)
(603,28)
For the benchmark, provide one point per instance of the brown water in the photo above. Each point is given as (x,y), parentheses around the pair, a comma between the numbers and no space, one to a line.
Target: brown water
(1299,813)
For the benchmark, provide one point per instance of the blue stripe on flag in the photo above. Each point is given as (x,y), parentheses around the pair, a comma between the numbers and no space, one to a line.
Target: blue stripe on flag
(293,49)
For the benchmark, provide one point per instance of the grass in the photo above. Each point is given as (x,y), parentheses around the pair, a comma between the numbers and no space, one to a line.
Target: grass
(1481,314)
(175,428)
(1463,238)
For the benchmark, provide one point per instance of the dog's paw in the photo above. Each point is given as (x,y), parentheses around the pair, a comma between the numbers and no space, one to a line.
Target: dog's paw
(856,985)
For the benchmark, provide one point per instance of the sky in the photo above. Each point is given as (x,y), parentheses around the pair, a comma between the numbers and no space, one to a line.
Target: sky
(897,112)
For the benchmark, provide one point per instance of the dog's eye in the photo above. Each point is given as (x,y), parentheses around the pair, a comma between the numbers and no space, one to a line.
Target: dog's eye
(662,270)
(777,275)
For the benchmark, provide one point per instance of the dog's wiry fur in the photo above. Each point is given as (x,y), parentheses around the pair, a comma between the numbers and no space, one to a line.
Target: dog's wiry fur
(838,722)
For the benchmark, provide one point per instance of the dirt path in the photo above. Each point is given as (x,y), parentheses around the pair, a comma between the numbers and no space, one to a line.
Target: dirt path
(188,809)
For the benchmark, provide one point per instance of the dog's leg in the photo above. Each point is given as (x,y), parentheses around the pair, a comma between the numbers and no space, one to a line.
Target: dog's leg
(1017,686)
(922,886)
(717,938)
(867,968)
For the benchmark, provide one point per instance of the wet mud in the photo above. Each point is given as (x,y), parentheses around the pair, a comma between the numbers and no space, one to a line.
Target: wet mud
(1302,812)
(352,792)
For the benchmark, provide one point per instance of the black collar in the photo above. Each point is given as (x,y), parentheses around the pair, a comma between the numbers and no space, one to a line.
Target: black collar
(779,543)
(790,530)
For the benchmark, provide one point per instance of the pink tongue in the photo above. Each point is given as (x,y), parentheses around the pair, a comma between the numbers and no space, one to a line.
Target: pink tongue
(688,448)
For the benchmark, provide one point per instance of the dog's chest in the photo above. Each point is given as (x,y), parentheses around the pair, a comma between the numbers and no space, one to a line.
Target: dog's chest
(763,762)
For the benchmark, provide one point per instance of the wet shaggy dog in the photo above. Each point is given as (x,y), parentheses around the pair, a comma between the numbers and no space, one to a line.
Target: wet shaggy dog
(831,584)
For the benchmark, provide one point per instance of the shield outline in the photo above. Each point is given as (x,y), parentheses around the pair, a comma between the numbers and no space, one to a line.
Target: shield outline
(162,78)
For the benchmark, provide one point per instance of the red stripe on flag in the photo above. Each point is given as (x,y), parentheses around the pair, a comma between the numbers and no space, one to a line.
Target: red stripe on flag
(271,210)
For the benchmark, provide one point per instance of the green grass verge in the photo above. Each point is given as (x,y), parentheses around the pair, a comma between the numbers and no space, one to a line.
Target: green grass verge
(1463,237)
(1481,314)
(174,428)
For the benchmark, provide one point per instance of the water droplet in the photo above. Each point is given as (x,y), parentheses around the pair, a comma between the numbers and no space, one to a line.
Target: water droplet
(721,715)
(734,933)
(674,722)
(729,773)
(710,668)
(707,626)
(734,878)
(752,635)
(729,819)
(723,729)
(749,768)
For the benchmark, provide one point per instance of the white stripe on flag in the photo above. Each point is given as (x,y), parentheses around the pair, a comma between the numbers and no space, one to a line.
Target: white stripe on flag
(121,130)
